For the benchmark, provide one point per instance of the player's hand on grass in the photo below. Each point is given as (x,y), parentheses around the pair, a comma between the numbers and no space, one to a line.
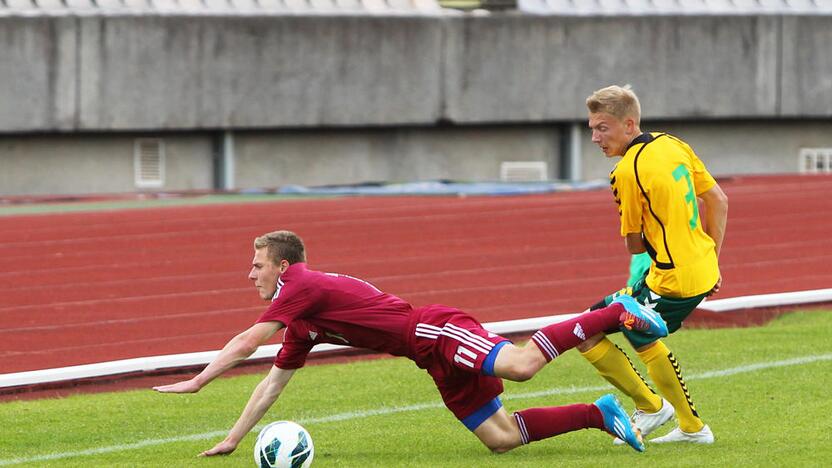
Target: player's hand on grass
(223,448)
(185,386)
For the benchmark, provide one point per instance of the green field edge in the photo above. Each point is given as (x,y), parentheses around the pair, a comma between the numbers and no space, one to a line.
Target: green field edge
(386,413)
(81,205)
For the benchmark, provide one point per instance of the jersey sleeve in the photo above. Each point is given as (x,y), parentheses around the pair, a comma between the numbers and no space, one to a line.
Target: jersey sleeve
(296,347)
(628,197)
(702,179)
(292,302)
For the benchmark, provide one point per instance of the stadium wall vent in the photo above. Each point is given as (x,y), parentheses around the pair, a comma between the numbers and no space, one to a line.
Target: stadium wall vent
(815,161)
(523,171)
(149,163)
(479,4)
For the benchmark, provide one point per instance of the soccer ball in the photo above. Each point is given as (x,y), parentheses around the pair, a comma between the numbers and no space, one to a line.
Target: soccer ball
(283,444)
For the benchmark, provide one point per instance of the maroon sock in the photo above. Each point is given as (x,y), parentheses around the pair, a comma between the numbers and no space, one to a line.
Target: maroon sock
(542,423)
(559,337)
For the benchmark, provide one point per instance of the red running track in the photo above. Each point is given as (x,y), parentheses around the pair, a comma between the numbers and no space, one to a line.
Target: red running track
(88,287)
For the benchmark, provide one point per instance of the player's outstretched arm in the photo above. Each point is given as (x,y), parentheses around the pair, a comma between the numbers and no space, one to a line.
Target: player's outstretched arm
(235,351)
(261,400)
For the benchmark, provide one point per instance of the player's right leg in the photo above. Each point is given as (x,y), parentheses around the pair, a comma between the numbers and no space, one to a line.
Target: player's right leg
(667,375)
(522,363)
(665,371)
(624,311)
(641,318)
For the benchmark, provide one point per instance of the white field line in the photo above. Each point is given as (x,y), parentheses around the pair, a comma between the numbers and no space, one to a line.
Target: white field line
(384,411)
(171,361)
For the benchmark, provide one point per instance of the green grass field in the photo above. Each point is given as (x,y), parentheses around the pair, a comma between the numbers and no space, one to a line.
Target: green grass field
(764,392)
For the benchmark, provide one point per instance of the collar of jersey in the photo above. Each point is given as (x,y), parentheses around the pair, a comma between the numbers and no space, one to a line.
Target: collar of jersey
(645,137)
(286,275)
(300,266)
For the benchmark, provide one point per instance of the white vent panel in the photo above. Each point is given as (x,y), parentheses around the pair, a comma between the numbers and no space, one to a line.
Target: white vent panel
(149,163)
(815,161)
(523,171)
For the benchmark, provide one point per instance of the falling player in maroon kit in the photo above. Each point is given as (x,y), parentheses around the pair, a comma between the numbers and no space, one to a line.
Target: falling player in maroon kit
(466,361)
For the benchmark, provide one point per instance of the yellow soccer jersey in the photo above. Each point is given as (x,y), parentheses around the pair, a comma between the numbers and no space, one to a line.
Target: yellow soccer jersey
(655,185)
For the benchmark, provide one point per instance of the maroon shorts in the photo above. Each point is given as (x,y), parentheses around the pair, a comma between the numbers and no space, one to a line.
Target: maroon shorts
(452,345)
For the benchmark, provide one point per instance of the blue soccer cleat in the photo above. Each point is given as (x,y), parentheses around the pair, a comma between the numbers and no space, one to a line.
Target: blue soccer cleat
(617,423)
(640,318)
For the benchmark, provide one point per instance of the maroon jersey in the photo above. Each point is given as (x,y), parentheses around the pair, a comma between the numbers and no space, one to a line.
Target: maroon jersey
(451,345)
(319,307)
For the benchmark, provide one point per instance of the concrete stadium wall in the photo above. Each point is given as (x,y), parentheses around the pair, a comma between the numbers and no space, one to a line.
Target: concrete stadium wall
(806,77)
(85,164)
(39,69)
(332,100)
(272,159)
(73,164)
(101,163)
(519,69)
(179,72)
(103,73)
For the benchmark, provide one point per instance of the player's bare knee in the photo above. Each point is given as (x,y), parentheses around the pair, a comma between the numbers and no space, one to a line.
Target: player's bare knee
(500,449)
(534,362)
(519,364)
(501,445)
(526,371)
(522,370)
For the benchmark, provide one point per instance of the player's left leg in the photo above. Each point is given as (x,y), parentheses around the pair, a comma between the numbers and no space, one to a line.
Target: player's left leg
(465,379)
(501,432)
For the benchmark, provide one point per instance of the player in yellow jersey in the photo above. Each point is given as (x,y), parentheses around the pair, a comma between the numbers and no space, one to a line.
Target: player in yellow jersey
(658,185)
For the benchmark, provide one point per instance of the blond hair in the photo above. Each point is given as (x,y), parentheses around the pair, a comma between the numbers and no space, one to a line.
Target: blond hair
(620,102)
(282,245)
